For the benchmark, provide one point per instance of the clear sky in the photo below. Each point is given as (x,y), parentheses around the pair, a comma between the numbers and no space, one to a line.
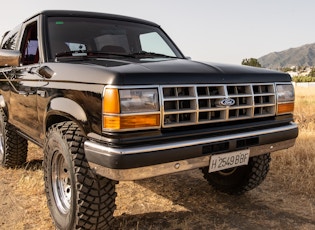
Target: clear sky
(207,30)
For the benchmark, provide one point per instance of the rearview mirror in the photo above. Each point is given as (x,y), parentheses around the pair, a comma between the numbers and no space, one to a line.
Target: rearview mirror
(10,58)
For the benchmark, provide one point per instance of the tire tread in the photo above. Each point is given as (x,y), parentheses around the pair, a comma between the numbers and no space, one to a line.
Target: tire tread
(253,175)
(93,191)
(15,146)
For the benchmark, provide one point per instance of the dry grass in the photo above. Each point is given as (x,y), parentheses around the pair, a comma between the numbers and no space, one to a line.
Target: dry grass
(23,202)
(297,164)
(286,200)
(304,110)
(295,168)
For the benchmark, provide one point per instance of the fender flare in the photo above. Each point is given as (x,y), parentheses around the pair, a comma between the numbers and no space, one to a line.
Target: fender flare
(65,107)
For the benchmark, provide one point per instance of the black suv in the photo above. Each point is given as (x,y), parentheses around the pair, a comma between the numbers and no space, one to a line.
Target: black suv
(112,98)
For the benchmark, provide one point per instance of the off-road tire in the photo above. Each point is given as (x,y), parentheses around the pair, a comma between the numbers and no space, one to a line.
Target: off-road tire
(13,147)
(77,198)
(241,179)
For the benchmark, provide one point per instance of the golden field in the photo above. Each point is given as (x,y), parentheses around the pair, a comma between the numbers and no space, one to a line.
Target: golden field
(300,160)
(285,200)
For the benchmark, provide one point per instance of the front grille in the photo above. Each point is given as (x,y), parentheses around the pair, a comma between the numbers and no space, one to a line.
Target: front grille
(200,104)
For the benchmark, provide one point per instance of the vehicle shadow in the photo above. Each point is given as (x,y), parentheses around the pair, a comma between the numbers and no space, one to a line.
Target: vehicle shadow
(33,165)
(204,208)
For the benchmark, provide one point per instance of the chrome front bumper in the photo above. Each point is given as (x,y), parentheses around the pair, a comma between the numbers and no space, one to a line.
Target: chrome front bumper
(98,155)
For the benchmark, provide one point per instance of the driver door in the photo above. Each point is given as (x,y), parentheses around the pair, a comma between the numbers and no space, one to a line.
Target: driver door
(23,100)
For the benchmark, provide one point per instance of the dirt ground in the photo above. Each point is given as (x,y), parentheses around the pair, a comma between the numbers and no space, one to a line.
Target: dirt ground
(178,201)
(185,201)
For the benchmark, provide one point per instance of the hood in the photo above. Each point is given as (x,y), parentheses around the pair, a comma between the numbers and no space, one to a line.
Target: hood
(162,71)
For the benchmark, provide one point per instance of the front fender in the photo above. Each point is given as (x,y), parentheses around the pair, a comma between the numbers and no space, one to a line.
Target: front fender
(68,109)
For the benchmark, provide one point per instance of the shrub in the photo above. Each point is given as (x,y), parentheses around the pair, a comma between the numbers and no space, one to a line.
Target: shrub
(303,79)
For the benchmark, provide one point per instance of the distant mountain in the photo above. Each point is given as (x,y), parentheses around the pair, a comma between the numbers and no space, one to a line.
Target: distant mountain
(300,56)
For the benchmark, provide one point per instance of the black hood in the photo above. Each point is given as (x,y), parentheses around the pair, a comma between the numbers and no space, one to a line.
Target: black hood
(187,71)
(172,71)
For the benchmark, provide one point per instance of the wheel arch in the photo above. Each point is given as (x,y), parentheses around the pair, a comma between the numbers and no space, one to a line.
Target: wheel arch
(64,109)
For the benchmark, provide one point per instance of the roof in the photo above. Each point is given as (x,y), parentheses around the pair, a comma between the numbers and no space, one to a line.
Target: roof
(71,13)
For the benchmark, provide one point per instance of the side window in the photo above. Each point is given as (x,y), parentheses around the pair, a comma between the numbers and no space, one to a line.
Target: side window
(29,48)
(153,42)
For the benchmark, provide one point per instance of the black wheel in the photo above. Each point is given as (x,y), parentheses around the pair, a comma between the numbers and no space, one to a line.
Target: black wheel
(77,198)
(241,179)
(13,148)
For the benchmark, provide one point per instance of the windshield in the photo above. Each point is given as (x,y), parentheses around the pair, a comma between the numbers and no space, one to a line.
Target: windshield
(76,36)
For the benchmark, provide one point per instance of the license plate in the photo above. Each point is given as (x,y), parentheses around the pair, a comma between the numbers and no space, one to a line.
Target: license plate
(228,160)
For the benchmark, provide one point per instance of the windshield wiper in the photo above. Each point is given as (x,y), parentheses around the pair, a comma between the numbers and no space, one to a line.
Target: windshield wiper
(89,54)
(100,53)
(72,53)
(144,54)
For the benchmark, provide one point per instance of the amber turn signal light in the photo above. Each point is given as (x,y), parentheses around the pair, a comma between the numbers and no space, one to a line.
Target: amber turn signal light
(111,101)
(131,121)
(285,108)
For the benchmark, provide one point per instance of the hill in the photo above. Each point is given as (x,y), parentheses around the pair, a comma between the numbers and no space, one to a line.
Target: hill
(300,56)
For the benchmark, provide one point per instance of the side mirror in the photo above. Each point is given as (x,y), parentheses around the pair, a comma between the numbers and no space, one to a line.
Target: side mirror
(10,58)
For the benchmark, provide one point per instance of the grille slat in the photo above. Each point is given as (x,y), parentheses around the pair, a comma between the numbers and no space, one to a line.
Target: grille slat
(200,104)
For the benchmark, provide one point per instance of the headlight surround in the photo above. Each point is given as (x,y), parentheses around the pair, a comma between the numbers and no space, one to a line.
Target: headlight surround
(130,108)
(285,98)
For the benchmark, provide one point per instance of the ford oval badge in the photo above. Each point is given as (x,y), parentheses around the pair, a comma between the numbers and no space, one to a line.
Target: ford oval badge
(227,102)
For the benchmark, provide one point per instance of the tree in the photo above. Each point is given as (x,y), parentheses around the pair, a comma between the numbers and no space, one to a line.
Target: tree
(251,62)
(312,73)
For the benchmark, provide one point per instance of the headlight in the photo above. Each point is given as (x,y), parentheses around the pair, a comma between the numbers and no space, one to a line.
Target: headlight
(285,93)
(128,109)
(285,98)
(138,100)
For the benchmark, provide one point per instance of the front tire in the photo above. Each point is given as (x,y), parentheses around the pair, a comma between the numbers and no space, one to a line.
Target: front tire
(13,147)
(241,179)
(76,197)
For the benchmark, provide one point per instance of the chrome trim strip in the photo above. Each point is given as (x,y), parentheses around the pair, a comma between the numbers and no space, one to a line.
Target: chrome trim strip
(177,166)
(131,87)
(262,149)
(95,147)
(131,114)
(150,171)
